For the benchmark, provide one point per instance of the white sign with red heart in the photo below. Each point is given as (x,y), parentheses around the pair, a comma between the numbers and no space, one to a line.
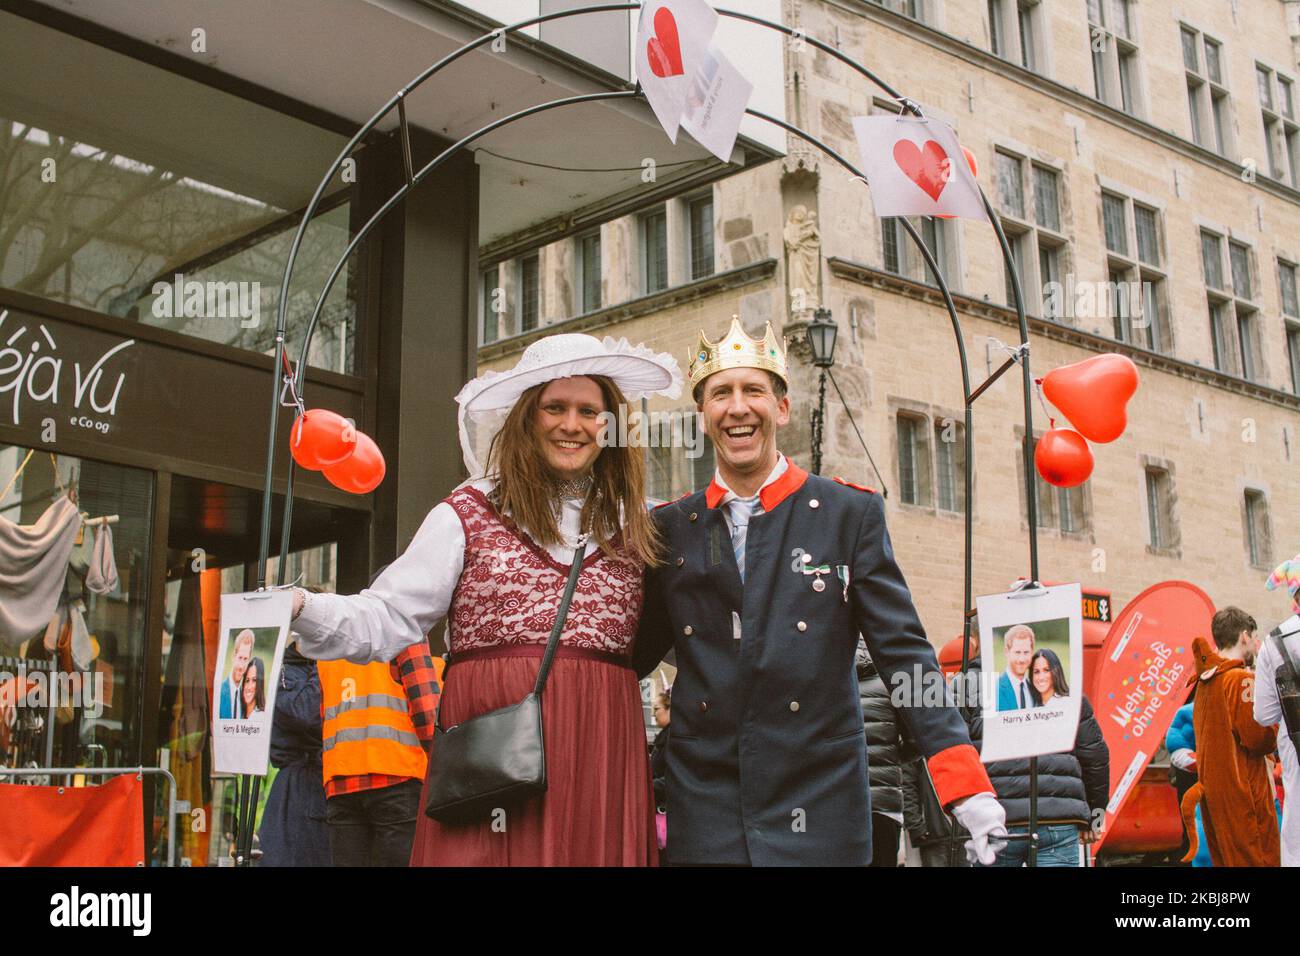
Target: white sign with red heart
(915,167)
(672,42)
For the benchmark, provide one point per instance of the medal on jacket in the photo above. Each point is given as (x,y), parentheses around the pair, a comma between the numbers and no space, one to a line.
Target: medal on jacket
(818,584)
(842,572)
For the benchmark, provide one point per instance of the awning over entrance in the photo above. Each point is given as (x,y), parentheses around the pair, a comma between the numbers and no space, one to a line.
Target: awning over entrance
(542,174)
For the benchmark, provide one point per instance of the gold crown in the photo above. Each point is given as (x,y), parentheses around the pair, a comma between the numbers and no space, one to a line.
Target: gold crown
(738,350)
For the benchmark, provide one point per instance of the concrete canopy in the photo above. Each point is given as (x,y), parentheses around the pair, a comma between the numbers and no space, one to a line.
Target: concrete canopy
(542,175)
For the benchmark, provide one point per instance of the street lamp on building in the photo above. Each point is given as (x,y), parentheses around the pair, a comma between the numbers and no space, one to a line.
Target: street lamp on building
(821,341)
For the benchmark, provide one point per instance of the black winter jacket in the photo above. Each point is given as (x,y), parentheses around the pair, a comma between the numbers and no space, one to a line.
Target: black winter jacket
(884,759)
(659,766)
(1070,785)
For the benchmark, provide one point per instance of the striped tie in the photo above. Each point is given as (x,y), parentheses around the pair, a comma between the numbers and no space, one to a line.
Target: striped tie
(742,509)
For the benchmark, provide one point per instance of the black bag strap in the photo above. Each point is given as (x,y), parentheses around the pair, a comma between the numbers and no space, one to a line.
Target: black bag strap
(1286,668)
(561,615)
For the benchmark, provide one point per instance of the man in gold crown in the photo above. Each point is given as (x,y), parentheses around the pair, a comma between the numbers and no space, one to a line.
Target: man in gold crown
(770,575)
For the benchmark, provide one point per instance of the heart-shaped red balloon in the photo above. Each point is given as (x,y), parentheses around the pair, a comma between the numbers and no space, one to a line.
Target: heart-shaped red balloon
(1093,394)
(1063,458)
(320,438)
(360,473)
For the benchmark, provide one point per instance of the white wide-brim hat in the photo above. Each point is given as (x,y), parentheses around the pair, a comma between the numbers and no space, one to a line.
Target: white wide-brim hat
(637,370)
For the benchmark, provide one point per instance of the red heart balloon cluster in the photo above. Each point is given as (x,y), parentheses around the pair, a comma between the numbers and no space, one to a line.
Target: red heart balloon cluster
(1063,458)
(1093,395)
(325,441)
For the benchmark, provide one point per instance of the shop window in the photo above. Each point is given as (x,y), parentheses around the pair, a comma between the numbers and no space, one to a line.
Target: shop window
(180,219)
(82,626)
(189,648)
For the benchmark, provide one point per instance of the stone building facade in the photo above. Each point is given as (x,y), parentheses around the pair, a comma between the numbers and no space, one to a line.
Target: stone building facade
(1144,159)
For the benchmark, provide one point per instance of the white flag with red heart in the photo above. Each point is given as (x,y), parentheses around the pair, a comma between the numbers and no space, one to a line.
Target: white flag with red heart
(716,104)
(915,167)
(672,39)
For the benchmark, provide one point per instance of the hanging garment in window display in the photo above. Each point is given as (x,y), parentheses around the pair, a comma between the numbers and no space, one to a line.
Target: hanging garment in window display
(33,565)
(70,625)
(101,574)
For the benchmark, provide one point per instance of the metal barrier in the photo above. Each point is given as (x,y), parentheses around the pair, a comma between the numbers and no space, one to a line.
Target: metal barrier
(108,772)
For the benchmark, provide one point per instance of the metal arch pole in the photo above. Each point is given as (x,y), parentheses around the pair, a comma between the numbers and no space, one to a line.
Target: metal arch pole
(1031,489)
(1031,495)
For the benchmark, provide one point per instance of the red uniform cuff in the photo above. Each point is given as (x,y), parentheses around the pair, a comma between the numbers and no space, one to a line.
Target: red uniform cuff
(957,772)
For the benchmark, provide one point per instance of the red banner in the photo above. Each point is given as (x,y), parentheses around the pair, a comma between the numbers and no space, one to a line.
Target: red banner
(1142,679)
(73,826)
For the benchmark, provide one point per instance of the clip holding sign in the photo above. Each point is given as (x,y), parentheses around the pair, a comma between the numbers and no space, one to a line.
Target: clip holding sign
(1027,589)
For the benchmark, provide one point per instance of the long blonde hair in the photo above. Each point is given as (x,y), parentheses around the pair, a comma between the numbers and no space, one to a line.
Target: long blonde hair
(526,486)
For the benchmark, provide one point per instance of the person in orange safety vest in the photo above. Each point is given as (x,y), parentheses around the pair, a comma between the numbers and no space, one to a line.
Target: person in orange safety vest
(377,724)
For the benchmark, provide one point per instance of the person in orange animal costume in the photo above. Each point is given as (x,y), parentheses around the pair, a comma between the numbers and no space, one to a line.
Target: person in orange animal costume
(1234,788)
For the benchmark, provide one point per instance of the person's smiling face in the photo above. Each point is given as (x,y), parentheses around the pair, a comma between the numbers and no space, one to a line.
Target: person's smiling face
(569,424)
(250,686)
(741,416)
(1018,656)
(1042,678)
(242,654)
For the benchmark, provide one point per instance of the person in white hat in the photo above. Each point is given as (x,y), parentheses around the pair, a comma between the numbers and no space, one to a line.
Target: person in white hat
(493,558)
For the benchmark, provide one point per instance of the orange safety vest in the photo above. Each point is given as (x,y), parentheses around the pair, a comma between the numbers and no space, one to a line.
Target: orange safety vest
(367,724)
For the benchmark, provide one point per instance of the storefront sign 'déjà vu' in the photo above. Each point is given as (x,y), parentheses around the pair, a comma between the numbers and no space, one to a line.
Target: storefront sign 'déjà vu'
(154,393)
(78,381)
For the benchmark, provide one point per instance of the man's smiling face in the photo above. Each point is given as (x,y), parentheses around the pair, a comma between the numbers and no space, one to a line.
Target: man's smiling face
(741,415)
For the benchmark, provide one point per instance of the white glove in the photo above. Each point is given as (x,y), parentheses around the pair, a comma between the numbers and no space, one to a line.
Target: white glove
(1184,758)
(985,819)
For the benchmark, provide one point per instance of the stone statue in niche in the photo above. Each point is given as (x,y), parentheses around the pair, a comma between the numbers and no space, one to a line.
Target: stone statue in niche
(803,253)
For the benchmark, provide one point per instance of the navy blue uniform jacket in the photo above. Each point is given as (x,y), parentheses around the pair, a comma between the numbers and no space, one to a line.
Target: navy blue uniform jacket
(767,763)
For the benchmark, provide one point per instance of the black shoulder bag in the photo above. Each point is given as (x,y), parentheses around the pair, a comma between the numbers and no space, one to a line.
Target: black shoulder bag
(1287,679)
(497,758)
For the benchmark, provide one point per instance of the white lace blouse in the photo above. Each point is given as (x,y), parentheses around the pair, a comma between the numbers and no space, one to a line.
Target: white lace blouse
(411,594)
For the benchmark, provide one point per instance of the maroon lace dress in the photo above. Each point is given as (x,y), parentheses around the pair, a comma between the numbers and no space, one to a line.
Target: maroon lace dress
(597,809)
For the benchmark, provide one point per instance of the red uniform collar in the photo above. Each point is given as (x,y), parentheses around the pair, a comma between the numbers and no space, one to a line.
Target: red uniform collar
(791,480)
